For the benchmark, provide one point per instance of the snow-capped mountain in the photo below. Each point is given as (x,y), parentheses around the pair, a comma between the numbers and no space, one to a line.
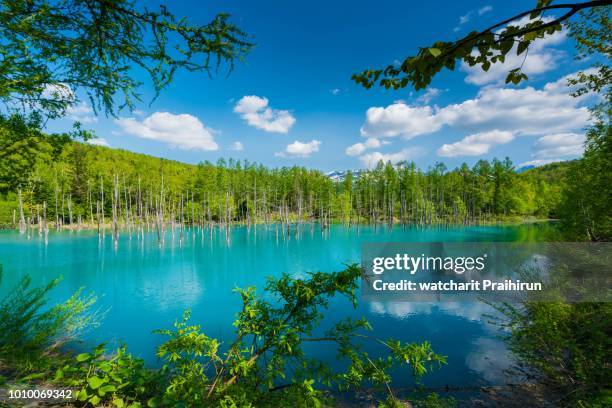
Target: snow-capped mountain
(340,175)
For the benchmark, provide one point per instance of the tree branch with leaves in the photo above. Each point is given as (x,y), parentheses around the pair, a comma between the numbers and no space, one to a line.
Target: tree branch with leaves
(478,48)
(52,48)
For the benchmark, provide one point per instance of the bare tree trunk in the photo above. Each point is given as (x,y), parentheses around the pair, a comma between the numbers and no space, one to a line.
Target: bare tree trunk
(102,206)
(22,223)
(45,227)
(115,212)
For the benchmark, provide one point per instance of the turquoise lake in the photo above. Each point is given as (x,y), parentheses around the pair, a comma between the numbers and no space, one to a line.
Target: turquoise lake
(143,287)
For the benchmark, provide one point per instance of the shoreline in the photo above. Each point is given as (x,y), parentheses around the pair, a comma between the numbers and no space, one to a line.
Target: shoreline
(511,221)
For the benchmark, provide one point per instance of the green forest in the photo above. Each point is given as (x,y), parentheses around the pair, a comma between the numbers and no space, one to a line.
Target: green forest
(74,184)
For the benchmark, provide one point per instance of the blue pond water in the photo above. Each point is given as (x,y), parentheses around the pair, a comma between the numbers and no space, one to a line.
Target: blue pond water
(144,287)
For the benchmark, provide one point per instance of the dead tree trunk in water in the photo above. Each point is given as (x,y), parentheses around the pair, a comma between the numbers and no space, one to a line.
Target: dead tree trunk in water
(98,218)
(22,223)
(45,228)
(102,206)
(115,210)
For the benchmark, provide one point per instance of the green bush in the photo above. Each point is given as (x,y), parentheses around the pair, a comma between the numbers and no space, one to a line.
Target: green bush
(30,330)
(265,364)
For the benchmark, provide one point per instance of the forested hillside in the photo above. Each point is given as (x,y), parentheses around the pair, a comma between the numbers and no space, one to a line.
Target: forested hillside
(74,184)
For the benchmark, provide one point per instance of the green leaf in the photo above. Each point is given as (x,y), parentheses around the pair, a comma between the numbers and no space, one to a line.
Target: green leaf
(95,400)
(153,402)
(82,395)
(523,45)
(435,52)
(83,357)
(95,382)
(108,388)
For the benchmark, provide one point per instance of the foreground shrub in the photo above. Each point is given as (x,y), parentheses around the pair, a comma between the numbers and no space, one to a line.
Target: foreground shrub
(264,365)
(566,346)
(30,330)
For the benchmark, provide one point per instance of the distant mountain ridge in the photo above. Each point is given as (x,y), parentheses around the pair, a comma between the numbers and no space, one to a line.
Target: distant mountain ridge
(340,175)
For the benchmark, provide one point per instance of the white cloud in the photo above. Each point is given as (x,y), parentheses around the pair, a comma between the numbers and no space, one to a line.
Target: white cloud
(541,58)
(256,112)
(559,145)
(81,112)
(484,10)
(555,148)
(300,149)
(430,94)
(334,91)
(179,131)
(371,159)
(399,119)
(237,147)
(75,110)
(561,84)
(59,91)
(358,148)
(476,144)
(464,19)
(538,162)
(98,141)
(525,111)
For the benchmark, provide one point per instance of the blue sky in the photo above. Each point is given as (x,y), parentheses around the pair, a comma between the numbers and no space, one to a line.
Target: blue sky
(292,100)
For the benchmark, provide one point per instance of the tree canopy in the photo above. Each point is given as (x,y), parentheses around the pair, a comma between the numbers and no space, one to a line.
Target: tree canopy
(53,48)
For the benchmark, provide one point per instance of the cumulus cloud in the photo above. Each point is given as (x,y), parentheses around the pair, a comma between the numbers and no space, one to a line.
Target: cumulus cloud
(81,112)
(541,58)
(77,111)
(98,141)
(237,147)
(300,149)
(561,85)
(358,148)
(58,91)
(525,111)
(476,144)
(181,131)
(371,159)
(559,145)
(257,113)
(400,119)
